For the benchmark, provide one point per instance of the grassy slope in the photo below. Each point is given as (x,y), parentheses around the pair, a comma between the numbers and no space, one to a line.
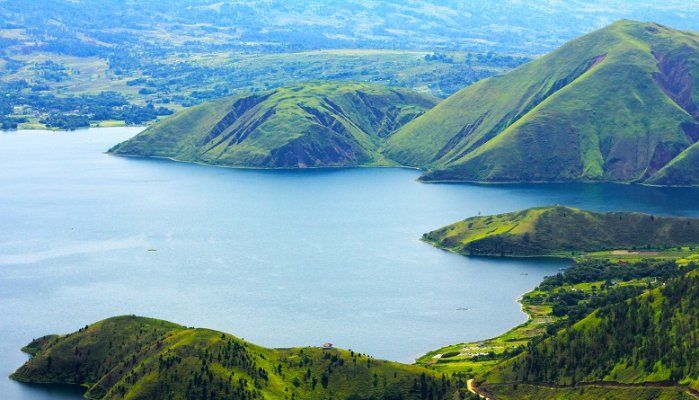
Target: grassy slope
(318,124)
(648,339)
(140,358)
(592,110)
(563,231)
(680,171)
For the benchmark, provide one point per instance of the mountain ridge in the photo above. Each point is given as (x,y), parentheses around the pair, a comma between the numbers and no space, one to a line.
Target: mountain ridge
(130,357)
(554,118)
(299,126)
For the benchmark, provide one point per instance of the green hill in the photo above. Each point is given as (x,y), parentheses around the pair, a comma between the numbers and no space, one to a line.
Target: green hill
(309,125)
(683,170)
(563,231)
(641,342)
(618,104)
(132,357)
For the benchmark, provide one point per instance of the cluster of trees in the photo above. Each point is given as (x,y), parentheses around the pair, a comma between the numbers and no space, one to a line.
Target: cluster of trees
(595,270)
(573,305)
(66,121)
(442,57)
(655,333)
(50,71)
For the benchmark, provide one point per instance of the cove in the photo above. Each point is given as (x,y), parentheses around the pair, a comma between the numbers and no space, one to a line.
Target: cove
(280,258)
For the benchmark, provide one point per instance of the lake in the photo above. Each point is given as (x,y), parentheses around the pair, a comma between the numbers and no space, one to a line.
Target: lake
(280,258)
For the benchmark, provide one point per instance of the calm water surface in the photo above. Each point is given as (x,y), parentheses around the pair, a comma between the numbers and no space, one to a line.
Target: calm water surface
(285,258)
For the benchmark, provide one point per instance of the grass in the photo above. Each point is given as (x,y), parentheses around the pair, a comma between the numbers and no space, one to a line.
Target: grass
(469,359)
(307,125)
(132,357)
(681,170)
(495,372)
(606,106)
(568,232)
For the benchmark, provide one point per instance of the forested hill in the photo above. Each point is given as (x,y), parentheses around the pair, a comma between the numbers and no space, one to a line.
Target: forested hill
(564,231)
(306,125)
(653,338)
(141,358)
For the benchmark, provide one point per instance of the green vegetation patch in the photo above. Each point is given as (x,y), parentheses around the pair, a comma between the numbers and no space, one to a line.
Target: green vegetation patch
(588,392)
(645,339)
(309,125)
(132,357)
(567,232)
(613,105)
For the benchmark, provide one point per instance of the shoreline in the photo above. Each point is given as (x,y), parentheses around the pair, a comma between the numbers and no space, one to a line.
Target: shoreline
(419,179)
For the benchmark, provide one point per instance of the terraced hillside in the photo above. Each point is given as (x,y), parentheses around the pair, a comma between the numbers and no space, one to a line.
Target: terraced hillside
(618,104)
(564,231)
(309,125)
(141,358)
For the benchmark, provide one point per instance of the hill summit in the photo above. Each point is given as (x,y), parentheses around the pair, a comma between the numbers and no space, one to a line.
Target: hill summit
(618,104)
(131,357)
(308,125)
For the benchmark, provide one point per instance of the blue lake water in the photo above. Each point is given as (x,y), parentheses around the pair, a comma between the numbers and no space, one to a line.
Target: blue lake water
(281,258)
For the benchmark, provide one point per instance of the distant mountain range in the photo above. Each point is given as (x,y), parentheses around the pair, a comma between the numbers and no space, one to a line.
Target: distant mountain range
(615,105)
(531,27)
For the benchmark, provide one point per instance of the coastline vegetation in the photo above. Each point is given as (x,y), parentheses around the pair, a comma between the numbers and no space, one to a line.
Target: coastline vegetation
(619,323)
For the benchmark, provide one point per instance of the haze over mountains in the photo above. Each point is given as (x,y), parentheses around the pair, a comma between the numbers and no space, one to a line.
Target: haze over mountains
(531,27)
